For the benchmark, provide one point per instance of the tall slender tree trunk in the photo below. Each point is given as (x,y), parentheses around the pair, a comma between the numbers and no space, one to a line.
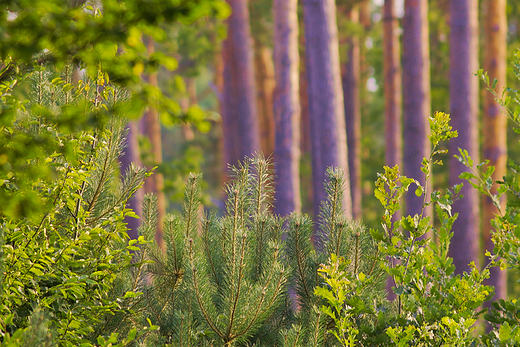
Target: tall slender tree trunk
(495,124)
(219,90)
(351,96)
(305,128)
(152,129)
(365,19)
(464,114)
(305,133)
(130,155)
(393,96)
(326,109)
(265,84)
(241,135)
(392,86)
(287,107)
(416,99)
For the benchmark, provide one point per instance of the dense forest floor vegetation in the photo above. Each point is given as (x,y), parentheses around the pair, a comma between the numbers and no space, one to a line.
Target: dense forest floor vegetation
(71,276)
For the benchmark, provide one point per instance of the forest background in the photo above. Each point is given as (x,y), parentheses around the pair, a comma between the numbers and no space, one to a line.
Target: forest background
(396,70)
(340,93)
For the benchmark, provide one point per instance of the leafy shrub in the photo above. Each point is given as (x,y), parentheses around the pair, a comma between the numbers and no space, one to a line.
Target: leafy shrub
(62,256)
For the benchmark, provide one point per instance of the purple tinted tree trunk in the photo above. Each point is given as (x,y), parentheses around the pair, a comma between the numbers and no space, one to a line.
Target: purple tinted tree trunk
(416,98)
(393,97)
(495,126)
(392,86)
(286,107)
(241,135)
(351,96)
(130,155)
(152,129)
(326,109)
(265,84)
(464,114)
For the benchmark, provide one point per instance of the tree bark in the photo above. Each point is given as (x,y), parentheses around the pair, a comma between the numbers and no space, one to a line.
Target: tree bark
(464,114)
(265,84)
(130,155)
(326,109)
(416,99)
(392,86)
(287,107)
(152,129)
(351,96)
(393,98)
(495,125)
(219,90)
(305,131)
(240,124)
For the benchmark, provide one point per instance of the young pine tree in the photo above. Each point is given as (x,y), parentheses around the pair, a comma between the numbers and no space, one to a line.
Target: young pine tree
(223,275)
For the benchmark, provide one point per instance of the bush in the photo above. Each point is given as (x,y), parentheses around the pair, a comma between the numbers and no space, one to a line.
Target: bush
(62,256)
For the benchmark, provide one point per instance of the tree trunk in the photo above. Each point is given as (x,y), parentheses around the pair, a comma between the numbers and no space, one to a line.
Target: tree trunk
(305,131)
(152,129)
(326,109)
(416,99)
(240,122)
(393,97)
(351,79)
(464,114)
(392,86)
(131,155)
(219,90)
(265,84)
(495,127)
(287,107)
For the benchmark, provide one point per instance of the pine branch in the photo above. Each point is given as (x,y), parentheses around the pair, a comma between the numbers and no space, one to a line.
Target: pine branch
(190,207)
(291,337)
(300,252)
(207,243)
(198,295)
(316,328)
(332,219)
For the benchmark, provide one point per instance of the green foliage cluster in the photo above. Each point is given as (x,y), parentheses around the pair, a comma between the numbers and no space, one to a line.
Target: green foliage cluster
(106,34)
(248,277)
(63,255)
(231,280)
(68,273)
(435,307)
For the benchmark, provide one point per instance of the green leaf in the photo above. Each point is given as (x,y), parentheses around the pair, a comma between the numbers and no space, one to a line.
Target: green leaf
(131,335)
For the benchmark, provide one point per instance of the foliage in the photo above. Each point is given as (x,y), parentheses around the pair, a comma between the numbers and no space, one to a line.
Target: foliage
(354,306)
(223,275)
(433,306)
(93,36)
(63,256)
(106,34)
(336,276)
(504,314)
